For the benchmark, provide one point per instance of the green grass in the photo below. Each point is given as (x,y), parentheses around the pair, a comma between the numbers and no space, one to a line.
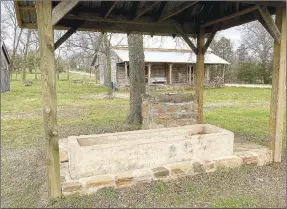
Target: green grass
(241,110)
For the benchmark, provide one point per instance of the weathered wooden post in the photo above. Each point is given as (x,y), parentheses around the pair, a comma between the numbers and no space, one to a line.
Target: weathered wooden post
(47,66)
(170,73)
(149,74)
(278,87)
(199,87)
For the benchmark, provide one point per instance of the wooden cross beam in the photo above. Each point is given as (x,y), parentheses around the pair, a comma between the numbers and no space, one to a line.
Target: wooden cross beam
(185,37)
(272,28)
(147,7)
(179,8)
(210,37)
(62,9)
(67,35)
(236,14)
(110,9)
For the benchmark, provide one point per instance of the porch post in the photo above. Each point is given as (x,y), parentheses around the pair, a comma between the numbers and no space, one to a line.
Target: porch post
(47,66)
(207,74)
(189,74)
(126,72)
(278,87)
(170,73)
(199,87)
(149,73)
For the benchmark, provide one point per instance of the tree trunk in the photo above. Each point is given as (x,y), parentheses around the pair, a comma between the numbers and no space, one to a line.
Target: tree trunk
(68,75)
(137,84)
(35,67)
(108,65)
(25,54)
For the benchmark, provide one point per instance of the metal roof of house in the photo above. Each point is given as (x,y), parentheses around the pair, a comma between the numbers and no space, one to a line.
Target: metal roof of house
(171,56)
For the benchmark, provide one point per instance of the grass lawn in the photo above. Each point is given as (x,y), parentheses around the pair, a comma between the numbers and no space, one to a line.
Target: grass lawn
(82,110)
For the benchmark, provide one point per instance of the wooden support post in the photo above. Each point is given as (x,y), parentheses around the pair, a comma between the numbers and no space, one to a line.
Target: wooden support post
(189,74)
(47,66)
(207,74)
(199,87)
(126,72)
(278,87)
(170,73)
(149,74)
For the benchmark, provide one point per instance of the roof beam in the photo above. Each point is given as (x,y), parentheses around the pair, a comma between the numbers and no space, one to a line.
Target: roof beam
(210,38)
(262,3)
(110,9)
(236,14)
(179,8)
(185,37)
(269,23)
(148,5)
(67,35)
(62,9)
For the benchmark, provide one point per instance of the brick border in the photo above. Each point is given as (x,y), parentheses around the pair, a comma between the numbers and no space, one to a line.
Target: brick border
(257,155)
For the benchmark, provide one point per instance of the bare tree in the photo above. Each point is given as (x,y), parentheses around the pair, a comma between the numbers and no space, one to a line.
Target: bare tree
(107,53)
(26,48)
(137,83)
(260,45)
(11,25)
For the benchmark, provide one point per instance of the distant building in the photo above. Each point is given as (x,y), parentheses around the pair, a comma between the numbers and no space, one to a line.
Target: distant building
(5,68)
(166,66)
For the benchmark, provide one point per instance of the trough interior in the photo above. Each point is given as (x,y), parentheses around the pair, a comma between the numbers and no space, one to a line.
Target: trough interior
(137,135)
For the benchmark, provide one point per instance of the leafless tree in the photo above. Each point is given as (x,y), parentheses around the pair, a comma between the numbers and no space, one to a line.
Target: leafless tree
(10,24)
(260,47)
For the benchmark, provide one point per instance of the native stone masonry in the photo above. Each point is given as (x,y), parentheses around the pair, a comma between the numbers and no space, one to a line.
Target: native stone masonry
(224,154)
(244,154)
(168,110)
(100,154)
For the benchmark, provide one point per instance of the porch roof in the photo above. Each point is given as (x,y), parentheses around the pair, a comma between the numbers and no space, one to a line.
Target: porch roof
(172,56)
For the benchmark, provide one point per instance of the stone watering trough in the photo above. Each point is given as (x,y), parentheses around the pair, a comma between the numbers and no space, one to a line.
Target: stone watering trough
(91,162)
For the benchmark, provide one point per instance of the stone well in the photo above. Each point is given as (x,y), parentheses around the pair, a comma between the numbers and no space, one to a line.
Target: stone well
(168,110)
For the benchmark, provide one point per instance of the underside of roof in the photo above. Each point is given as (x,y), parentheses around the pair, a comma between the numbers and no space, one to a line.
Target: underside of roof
(171,56)
(148,17)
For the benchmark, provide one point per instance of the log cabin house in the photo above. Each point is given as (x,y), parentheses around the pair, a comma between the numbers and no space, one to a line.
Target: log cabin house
(163,66)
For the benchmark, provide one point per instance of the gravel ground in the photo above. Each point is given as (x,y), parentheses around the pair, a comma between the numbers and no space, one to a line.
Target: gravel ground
(24,176)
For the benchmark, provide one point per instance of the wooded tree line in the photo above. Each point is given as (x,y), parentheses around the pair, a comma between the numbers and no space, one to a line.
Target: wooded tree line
(251,62)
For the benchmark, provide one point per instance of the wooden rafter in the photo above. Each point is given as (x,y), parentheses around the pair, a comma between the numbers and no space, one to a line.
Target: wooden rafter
(62,9)
(186,38)
(161,9)
(259,18)
(269,22)
(110,9)
(179,8)
(70,32)
(210,37)
(236,14)
(147,7)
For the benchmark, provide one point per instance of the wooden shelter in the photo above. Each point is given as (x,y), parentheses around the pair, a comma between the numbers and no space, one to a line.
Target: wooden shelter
(201,19)
(5,63)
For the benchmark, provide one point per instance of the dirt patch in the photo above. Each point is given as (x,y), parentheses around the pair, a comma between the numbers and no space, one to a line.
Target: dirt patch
(23,178)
